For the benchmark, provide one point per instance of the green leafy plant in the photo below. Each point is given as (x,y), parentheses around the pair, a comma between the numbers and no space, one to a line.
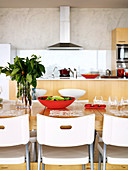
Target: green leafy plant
(24,71)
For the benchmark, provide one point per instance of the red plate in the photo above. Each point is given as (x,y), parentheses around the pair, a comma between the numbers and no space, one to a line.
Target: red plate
(55,104)
(90,76)
(96,106)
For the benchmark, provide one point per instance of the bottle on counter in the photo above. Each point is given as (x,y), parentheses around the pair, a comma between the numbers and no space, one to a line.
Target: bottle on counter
(75,73)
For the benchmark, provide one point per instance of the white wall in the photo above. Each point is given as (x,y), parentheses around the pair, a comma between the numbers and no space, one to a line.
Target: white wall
(36,28)
(5,50)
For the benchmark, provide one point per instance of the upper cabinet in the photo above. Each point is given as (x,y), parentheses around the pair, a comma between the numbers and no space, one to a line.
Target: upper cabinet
(120,35)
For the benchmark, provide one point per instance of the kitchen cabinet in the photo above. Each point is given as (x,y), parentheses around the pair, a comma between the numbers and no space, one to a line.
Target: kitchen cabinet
(120,35)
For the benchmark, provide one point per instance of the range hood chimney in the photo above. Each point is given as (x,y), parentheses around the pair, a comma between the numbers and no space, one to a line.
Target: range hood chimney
(64,32)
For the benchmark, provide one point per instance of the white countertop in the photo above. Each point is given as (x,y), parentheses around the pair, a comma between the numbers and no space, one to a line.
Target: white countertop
(79,78)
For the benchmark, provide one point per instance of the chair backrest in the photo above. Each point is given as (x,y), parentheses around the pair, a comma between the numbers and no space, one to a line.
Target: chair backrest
(14,130)
(65,132)
(115,130)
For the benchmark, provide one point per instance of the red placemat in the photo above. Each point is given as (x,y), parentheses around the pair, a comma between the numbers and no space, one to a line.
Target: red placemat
(95,106)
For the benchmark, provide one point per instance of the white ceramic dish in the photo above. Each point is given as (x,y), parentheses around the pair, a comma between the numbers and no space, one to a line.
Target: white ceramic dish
(72,92)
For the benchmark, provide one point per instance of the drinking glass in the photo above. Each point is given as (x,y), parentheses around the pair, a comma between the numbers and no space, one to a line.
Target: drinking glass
(124,105)
(98,100)
(124,101)
(113,101)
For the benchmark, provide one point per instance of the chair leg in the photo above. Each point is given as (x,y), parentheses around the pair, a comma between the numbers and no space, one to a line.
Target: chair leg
(91,155)
(83,166)
(39,156)
(99,161)
(43,166)
(35,151)
(27,157)
(104,157)
(94,142)
(89,151)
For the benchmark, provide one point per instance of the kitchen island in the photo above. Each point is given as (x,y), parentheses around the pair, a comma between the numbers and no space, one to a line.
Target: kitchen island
(93,87)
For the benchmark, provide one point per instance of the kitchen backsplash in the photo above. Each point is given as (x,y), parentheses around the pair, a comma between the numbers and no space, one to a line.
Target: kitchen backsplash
(84,61)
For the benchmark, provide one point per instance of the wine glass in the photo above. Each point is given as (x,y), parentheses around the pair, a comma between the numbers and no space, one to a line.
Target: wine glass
(124,101)
(98,100)
(113,101)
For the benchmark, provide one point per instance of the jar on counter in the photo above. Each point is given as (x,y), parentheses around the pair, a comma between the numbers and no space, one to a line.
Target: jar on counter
(126,73)
(120,72)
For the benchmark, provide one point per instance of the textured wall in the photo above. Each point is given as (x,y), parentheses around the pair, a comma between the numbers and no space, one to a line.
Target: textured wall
(37,28)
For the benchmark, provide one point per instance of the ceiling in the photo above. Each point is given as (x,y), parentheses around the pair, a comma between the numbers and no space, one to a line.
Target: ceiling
(57,3)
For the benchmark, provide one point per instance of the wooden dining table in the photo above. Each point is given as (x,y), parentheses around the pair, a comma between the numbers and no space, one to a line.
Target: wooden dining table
(9,109)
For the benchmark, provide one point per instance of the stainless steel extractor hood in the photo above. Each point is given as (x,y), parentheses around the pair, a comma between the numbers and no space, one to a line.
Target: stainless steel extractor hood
(64,43)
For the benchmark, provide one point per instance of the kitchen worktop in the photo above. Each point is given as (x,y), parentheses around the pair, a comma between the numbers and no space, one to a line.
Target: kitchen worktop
(78,78)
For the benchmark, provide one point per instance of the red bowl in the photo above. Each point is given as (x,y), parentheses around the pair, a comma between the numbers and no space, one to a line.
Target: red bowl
(90,76)
(55,104)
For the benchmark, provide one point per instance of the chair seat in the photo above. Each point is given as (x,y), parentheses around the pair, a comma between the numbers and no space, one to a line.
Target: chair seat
(65,156)
(115,154)
(12,155)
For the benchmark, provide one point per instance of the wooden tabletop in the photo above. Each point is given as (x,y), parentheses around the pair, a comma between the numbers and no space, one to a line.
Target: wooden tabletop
(9,109)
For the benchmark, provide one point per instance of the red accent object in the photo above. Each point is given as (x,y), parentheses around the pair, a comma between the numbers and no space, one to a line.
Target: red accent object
(126,74)
(55,104)
(95,106)
(90,76)
(64,72)
(120,72)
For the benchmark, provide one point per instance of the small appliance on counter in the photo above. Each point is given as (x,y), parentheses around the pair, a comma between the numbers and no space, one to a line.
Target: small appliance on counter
(64,72)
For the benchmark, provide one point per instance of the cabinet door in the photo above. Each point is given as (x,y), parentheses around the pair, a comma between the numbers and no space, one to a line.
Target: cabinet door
(122,36)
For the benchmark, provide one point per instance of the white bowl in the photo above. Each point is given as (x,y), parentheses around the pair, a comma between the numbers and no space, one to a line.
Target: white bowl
(40,92)
(72,92)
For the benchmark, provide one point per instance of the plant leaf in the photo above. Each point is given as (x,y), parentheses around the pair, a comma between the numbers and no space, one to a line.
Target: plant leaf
(42,68)
(7,73)
(0,69)
(32,63)
(29,78)
(15,71)
(16,59)
(34,83)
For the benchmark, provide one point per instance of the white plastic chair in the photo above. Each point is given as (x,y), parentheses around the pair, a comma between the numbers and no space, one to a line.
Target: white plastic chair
(65,141)
(14,138)
(114,148)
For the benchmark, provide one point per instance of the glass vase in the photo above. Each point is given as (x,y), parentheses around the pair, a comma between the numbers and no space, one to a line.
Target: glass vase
(24,99)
